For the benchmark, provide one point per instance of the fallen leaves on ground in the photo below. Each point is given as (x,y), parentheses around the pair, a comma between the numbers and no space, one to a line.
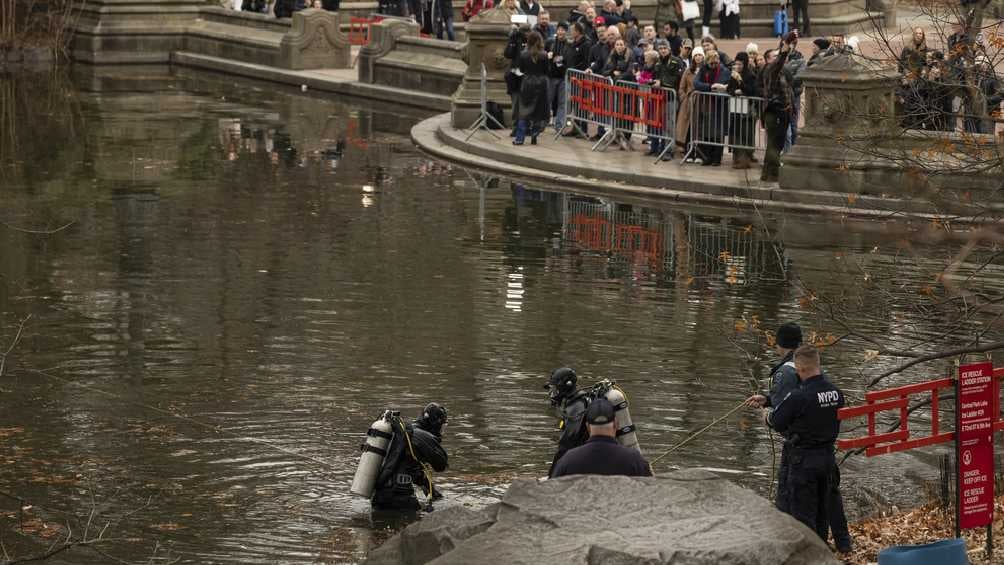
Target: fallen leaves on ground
(921,525)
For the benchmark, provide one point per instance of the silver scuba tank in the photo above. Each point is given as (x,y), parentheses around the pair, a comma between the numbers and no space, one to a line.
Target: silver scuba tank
(374,452)
(626,431)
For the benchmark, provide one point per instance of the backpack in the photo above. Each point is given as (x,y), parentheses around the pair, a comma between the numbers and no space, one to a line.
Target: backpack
(494,110)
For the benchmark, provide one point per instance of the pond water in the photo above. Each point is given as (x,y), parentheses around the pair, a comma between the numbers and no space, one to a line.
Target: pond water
(246,276)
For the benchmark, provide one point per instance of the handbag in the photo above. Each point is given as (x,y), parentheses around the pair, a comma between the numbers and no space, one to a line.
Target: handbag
(780,23)
(690,10)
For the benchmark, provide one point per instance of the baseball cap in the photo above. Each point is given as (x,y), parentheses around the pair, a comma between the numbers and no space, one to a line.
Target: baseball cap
(600,412)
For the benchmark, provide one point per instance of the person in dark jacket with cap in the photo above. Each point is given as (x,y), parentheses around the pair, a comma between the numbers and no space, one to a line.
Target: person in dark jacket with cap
(783,381)
(807,417)
(602,454)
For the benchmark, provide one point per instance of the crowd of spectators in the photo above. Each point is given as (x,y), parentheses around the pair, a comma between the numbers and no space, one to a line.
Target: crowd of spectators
(608,40)
(933,93)
(611,43)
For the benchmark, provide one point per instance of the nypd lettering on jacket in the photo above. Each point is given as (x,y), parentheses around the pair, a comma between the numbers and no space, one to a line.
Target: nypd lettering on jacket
(808,415)
(828,399)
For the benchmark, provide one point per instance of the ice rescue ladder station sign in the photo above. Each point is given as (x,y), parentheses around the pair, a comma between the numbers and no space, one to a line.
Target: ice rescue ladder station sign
(977,410)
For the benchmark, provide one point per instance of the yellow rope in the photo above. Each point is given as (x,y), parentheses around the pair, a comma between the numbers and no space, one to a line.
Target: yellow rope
(424,465)
(699,432)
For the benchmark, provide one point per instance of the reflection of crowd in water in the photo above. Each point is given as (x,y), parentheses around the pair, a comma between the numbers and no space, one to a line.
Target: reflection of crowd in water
(243,140)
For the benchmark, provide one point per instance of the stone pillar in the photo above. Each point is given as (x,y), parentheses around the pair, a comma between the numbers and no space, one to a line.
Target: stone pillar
(132,31)
(487,35)
(315,42)
(382,39)
(849,111)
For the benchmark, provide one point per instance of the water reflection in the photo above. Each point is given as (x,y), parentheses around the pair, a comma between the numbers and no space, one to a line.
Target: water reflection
(280,268)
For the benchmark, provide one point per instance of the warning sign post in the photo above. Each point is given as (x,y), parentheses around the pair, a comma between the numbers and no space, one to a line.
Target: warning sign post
(977,419)
(977,410)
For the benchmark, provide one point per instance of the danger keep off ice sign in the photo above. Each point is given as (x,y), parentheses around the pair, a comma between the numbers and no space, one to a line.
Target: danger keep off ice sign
(977,411)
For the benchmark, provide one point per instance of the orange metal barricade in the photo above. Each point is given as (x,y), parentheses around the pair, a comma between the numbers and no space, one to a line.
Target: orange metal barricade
(898,399)
(359,29)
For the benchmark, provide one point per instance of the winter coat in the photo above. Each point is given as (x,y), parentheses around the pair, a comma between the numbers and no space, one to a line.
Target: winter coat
(577,54)
(530,9)
(669,71)
(557,64)
(598,56)
(683,118)
(533,88)
(517,42)
(620,67)
(742,116)
(913,59)
(794,67)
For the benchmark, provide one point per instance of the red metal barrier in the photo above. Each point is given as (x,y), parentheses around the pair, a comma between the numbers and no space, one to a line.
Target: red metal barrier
(359,29)
(622,103)
(899,399)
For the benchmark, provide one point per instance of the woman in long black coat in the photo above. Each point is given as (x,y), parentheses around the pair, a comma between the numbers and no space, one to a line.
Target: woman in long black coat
(533,109)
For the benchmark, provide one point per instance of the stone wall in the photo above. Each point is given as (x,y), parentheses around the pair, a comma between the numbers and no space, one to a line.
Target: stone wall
(149,31)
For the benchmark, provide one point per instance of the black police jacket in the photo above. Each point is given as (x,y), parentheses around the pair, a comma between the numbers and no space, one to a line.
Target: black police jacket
(808,415)
(783,379)
(602,456)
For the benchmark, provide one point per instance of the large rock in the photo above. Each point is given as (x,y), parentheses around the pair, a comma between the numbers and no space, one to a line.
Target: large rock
(688,517)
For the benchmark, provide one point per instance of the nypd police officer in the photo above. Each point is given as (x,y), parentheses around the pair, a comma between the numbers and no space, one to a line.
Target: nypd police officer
(807,417)
(412,447)
(570,406)
(783,380)
(602,454)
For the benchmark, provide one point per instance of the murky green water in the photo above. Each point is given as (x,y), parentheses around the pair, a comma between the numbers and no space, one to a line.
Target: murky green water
(253,274)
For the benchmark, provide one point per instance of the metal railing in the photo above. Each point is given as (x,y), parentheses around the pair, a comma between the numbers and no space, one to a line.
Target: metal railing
(582,94)
(618,109)
(725,120)
(485,119)
(646,110)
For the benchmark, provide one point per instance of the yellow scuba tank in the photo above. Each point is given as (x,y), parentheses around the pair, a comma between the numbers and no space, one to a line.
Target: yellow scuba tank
(626,431)
(374,452)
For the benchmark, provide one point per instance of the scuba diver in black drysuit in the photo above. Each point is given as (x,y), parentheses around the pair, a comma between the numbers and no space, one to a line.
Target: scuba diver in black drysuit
(413,446)
(570,405)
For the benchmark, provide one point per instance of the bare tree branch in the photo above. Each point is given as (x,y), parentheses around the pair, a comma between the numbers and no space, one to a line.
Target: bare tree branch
(13,343)
(37,231)
(937,355)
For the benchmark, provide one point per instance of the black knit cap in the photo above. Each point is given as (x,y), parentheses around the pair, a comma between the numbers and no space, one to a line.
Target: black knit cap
(789,335)
(822,43)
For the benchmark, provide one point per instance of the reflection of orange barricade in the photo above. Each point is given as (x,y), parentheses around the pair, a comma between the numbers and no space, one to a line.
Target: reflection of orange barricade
(359,29)
(352,134)
(599,234)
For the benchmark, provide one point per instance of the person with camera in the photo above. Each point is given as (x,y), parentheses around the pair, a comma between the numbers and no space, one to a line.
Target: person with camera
(556,47)
(777,110)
